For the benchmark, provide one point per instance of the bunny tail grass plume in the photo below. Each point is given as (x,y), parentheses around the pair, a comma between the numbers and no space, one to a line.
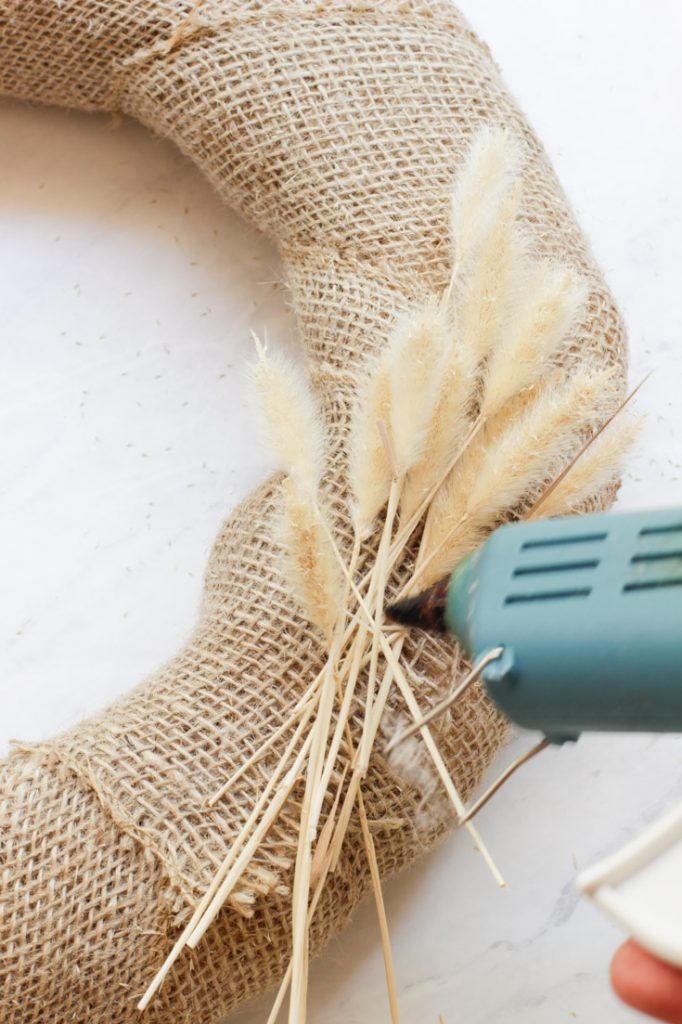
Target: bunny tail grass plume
(485,299)
(448,535)
(511,466)
(291,422)
(551,301)
(369,469)
(416,359)
(310,563)
(448,508)
(531,450)
(482,185)
(450,422)
(599,467)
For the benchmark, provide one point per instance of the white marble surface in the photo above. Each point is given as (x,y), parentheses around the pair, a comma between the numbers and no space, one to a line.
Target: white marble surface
(127,292)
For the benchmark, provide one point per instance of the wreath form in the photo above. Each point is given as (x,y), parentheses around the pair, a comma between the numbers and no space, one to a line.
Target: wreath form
(336,128)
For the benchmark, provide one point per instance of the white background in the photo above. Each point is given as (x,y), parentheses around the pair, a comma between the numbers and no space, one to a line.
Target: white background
(127,292)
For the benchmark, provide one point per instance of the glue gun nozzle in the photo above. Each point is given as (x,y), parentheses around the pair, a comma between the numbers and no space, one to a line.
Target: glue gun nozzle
(425,610)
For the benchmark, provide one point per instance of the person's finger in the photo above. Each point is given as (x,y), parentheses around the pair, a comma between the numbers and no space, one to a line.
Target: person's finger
(647,984)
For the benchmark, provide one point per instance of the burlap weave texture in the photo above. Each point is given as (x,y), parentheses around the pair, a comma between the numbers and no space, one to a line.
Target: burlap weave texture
(336,128)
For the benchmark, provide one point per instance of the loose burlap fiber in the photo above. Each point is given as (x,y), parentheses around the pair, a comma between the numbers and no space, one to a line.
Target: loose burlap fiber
(336,128)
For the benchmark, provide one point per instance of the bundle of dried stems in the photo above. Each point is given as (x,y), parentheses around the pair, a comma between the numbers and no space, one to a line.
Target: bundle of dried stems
(464,422)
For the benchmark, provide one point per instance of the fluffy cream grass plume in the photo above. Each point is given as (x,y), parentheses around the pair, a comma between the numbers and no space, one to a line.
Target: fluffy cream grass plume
(482,305)
(417,355)
(291,422)
(598,467)
(310,562)
(482,185)
(449,505)
(448,535)
(450,422)
(551,301)
(398,393)
(505,467)
(369,468)
(485,299)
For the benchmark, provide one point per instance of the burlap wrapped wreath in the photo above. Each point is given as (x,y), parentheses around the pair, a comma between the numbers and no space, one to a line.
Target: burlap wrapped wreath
(336,128)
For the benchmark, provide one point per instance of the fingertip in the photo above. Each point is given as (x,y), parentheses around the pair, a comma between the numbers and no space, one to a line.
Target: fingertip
(626,973)
(647,984)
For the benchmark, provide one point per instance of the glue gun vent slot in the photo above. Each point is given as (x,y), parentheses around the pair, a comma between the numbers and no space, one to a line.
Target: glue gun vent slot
(554,542)
(651,584)
(532,570)
(657,556)
(652,531)
(548,595)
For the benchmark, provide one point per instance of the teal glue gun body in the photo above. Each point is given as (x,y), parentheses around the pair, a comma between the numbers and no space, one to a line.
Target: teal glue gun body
(588,612)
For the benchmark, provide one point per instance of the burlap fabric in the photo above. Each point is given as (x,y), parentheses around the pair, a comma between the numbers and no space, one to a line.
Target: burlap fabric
(336,128)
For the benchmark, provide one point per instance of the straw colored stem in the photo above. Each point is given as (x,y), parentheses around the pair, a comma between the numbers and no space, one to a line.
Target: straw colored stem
(356,664)
(451,699)
(381,572)
(304,859)
(450,788)
(322,734)
(320,868)
(344,818)
(376,887)
(344,703)
(385,688)
(326,833)
(357,660)
(299,708)
(403,535)
(286,980)
(303,869)
(447,293)
(406,532)
(421,569)
(283,988)
(205,901)
(506,774)
(383,925)
(301,892)
(234,874)
(351,669)
(351,793)
(413,706)
(381,912)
